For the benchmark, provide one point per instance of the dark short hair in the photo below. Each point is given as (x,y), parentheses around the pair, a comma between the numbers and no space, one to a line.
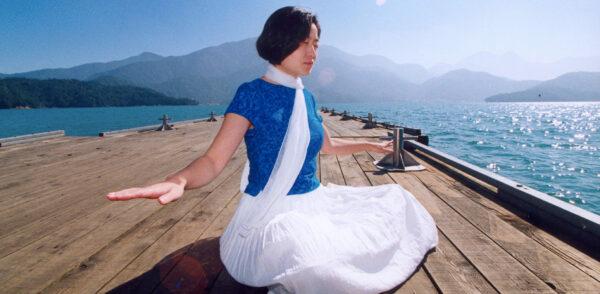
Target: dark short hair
(283,32)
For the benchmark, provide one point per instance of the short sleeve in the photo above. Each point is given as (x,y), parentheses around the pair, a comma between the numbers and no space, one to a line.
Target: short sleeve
(316,109)
(243,103)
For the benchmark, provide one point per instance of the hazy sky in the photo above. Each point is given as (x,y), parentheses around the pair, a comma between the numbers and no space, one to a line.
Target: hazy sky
(46,34)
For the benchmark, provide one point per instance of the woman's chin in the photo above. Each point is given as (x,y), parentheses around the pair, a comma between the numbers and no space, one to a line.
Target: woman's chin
(306,72)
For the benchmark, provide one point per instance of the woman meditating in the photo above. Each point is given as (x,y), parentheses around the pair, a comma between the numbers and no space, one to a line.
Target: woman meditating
(290,233)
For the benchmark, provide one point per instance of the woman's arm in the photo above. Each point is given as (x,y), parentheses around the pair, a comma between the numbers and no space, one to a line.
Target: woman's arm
(208,166)
(199,172)
(340,146)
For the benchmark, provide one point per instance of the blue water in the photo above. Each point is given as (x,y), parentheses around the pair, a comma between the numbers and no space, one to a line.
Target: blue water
(89,121)
(552,147)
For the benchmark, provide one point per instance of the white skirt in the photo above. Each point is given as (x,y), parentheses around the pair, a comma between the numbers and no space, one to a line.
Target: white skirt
(334,239)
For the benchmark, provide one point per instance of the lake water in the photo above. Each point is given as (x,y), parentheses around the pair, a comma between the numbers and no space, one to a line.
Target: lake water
(552,147)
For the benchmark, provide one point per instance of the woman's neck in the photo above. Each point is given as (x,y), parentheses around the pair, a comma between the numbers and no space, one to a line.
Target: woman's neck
(281,68)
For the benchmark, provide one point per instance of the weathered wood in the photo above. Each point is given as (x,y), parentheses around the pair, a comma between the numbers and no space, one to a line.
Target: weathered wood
(515,218)
(51,216)
(186,231)
(549,267)
(353,175)
(330,170)
(20,223)
(30,138)
(92,158)
(577,258)
(37,183)
(497,266)
(542,208)
(106,263)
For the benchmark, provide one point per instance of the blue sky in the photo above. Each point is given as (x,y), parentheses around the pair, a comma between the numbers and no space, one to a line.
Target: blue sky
(47,34)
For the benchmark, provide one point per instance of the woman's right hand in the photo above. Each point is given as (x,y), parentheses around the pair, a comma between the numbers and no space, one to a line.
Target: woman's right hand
(165,192)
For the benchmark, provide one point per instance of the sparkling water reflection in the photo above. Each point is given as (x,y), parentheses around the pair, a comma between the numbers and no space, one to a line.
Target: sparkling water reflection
(552,147)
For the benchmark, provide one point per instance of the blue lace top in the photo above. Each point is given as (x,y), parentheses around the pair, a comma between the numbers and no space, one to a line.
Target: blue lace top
(269,107)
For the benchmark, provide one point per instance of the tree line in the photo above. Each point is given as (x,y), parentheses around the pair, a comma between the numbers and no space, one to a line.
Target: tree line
(33,93)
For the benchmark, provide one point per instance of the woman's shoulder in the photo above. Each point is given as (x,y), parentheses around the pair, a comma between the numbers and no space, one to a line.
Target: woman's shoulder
(252,85)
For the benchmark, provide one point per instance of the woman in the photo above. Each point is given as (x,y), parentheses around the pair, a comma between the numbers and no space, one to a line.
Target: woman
(289,232)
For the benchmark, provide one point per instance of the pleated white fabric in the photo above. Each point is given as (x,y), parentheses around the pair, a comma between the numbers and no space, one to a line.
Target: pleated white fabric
(334,239)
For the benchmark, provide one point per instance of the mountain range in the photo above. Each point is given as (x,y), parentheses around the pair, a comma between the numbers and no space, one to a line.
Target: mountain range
(577,86)
(212,75)
(512,66)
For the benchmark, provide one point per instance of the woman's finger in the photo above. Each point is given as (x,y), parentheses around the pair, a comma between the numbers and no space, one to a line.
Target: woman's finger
(147,192)
(172,195)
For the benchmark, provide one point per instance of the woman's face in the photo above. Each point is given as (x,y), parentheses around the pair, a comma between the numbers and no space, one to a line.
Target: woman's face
(302,60)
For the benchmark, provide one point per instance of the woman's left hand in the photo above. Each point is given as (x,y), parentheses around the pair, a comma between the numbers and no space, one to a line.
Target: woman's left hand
(383,147)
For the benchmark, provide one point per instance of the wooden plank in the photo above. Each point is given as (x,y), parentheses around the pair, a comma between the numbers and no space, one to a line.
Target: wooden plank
(577,258)
(186,231)
(419,282)
(82,235)
(341,130)
(452,272)
(103,265)
(544,209)
(94,161)
(37,170)
(549,267)
(318,171)
(353,175)
(330,170)
(497,266)
(40,196)
(331,128)
(33,229)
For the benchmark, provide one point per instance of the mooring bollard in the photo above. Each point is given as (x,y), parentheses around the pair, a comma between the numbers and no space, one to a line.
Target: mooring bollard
(370,122)
(212,117)
(165,124)
(333,112)
(345,116)
(398,161)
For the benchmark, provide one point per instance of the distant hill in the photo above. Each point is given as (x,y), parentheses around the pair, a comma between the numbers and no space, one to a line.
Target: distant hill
(512,66)
(410,72)
(465,85)
(34,93)
(84,71)
(577,86)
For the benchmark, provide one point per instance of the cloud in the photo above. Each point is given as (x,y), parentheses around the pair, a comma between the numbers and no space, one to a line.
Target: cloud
(379,2)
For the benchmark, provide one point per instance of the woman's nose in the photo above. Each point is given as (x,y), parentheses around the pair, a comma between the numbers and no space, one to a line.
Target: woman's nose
(312,52)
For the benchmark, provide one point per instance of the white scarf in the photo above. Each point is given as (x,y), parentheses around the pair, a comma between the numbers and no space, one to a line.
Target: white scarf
(290,158)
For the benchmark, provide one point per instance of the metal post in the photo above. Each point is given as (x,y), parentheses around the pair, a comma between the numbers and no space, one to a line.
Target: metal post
(165,124)
(398,159)
(212,117)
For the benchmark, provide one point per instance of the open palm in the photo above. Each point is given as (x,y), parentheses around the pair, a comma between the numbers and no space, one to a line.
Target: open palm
(165,192)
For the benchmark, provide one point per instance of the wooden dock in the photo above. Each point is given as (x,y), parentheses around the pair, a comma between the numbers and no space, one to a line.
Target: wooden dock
(59,234)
